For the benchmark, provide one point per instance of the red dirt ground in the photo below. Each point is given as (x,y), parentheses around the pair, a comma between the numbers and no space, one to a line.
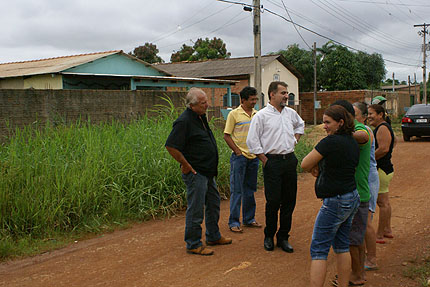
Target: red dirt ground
(153,253)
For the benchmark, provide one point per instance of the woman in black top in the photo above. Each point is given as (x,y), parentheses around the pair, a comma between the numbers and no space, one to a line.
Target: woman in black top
(333,162)
(384,143)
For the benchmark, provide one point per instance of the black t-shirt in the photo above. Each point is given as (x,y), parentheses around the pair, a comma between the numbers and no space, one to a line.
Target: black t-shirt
(192,136)
(337,168)
(384,162)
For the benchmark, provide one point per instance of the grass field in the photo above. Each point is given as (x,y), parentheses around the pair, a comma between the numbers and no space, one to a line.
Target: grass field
(62,182)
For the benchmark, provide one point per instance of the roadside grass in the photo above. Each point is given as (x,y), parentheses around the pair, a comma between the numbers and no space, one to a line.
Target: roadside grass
(419,271)
(62,182)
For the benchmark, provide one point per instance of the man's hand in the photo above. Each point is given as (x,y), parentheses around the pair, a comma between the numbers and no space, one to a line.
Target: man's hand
(186,169)
(315,171)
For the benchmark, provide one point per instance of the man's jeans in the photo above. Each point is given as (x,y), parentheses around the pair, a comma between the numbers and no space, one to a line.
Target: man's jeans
(203,201)
(243,184)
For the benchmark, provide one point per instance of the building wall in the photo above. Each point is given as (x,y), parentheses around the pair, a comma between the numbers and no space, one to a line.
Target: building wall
(395,105)
(48,81)
(12,83)
(268,76)
(24,107)
(116,64)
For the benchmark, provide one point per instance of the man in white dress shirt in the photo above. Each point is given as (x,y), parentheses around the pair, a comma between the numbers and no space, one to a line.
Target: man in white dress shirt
(272,136)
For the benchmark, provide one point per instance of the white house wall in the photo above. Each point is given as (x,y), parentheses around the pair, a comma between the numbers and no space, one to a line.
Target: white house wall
(268,75)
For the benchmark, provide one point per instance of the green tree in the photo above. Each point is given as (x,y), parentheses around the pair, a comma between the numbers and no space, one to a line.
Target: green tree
(303,61)
(147,53)
(183,54)
(203,49)
(372,68)
(340,70)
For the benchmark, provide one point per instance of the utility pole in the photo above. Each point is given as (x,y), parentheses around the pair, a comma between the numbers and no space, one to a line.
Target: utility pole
(393,81)
(409,86)
(315,82)
(257,50)
(415,89)
(423,33)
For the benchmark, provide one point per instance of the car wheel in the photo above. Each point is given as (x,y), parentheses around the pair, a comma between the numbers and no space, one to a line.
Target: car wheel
(406,138)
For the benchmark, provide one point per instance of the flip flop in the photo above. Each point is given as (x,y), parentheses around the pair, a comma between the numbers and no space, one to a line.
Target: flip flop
(380,241)
(335,283)
(388,236)
(236,229)
(371,268)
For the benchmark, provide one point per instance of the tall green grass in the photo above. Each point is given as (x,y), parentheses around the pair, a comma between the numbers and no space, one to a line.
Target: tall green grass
(78,178)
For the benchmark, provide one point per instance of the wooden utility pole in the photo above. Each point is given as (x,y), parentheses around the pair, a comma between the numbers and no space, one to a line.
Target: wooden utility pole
(315,82)
(423,33)
(257,50)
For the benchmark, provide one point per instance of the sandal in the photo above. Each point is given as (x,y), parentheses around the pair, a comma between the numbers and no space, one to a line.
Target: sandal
(236,229)
(253,224)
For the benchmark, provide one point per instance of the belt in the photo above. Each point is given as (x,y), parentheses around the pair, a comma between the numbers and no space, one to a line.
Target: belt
(280,156)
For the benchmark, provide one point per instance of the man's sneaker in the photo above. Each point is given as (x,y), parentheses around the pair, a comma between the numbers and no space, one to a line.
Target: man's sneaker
(222,241)
(201,250)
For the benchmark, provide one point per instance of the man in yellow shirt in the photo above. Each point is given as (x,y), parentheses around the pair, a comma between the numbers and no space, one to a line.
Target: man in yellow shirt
(243,164)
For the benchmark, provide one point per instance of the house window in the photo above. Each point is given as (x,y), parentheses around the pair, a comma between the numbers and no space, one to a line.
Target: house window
(235,100)
(276,77)
(291,97)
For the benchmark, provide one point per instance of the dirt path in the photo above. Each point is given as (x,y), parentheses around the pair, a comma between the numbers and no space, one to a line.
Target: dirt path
(153,253)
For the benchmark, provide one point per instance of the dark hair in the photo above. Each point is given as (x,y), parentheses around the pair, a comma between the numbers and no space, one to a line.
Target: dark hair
(347,105)
(362,107)
(380,110)
(247,92)
(273,87)
(337,113)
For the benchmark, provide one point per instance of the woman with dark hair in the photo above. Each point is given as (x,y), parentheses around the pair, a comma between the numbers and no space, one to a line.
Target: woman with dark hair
(370,237)
(384,143)
(333,162)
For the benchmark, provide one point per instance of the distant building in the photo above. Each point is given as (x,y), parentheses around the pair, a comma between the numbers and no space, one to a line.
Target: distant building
(274,68)
(112,70)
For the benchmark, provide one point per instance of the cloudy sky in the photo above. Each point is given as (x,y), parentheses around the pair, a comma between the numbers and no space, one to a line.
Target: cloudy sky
(36,29)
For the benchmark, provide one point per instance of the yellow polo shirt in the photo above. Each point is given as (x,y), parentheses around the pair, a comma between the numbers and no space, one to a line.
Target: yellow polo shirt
(237,127)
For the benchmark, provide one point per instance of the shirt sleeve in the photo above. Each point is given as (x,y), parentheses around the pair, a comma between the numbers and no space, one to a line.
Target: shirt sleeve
(299,124)
(177,137)
(253,138)
(325,145)
(229,125)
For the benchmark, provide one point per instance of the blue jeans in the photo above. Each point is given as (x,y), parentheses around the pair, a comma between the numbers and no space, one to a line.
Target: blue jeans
(333,224)
(203,202)
(243,184)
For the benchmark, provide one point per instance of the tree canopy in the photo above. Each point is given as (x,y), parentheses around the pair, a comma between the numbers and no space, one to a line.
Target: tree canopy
(148,53)
(203,49)
(337,67)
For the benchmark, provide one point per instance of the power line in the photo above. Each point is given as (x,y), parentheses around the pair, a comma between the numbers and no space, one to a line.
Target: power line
(295,25)
(384,3)
(186,27)
(328,38)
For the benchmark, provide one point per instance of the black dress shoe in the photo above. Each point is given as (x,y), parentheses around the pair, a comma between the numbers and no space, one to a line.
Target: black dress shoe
(285,245)
(268,244)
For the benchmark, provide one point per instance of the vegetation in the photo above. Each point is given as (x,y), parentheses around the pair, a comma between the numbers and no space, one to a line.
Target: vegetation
(147,53)
(337,68)
(419,271)
(202,50)
(59,183)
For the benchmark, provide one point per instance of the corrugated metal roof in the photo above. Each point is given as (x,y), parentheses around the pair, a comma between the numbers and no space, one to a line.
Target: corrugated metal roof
(221,67)
(51,65)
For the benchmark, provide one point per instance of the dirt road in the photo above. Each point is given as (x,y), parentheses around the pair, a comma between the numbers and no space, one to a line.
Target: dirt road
(153,253)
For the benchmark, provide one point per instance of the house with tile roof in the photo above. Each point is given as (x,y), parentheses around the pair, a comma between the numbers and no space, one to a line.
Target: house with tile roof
(274,68)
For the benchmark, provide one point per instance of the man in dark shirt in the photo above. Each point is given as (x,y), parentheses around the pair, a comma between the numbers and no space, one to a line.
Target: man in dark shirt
(192,144)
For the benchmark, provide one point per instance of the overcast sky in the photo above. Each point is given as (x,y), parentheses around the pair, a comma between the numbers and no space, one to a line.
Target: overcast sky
(36,29)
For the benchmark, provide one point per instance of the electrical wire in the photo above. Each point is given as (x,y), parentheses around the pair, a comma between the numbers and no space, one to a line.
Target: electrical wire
(186,27)
(310,48)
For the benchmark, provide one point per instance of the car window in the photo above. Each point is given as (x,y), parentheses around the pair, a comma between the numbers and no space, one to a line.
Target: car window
(419,110)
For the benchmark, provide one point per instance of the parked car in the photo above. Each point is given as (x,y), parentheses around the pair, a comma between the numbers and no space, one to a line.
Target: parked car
(416,122)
